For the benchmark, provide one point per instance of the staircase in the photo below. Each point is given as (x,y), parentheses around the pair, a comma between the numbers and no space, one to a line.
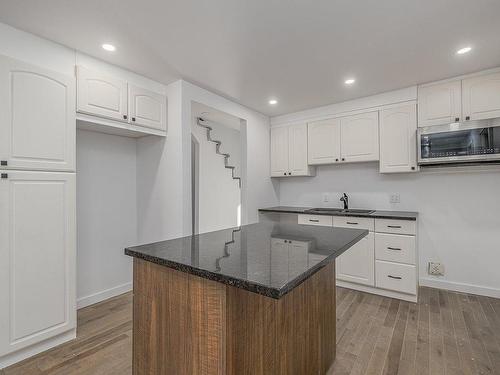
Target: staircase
(218,144)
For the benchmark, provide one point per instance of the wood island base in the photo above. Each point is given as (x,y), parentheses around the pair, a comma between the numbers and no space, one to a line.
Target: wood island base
(188,325)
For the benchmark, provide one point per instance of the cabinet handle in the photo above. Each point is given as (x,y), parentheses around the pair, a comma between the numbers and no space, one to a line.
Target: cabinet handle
(467,118)
(4,163)
(352,223)
(314,220)
(133,118)
(457,119)
(394,226)
(5,175)
(394,277)
(394,248)
(125,117)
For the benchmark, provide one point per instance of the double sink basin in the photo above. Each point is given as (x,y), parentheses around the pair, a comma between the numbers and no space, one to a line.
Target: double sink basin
(340,211)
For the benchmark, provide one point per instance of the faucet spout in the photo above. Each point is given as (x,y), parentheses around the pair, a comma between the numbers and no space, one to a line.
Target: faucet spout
(345,199)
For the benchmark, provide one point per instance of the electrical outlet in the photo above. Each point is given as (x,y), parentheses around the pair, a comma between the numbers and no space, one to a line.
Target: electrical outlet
(326,197)
(436,269)
(394,198)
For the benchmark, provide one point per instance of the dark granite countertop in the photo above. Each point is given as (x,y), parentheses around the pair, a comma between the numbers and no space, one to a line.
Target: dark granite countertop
(255,257)
(402,215)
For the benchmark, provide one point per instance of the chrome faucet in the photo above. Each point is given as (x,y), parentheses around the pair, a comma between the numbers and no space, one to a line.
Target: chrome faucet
(345,200)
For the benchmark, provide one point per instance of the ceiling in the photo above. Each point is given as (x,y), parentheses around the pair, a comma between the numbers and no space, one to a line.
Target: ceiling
(297,51)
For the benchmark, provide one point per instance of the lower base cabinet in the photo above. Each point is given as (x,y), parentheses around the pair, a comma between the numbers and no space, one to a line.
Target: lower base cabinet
(37,252)
(357,264)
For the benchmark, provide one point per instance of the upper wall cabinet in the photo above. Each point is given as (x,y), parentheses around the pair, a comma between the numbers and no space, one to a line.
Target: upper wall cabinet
(134,111)
(102,95)
(289,151)
(147,108)
(324,141)
(474,98)
(398,130)
(359,137)
(440,103)
(481,97)
(37,118)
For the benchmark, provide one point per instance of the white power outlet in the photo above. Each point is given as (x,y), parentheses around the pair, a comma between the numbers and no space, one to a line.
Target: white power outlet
(436,269)
(394,198)
(326,197)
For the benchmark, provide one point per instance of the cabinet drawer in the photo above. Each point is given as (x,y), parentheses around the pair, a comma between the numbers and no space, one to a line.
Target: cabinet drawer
(395,226)
(395,247)
(316,220)
(395,276)
(354,222)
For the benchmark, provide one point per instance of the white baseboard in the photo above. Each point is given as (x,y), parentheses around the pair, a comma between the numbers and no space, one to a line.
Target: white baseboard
(103,295)
(32,350)
(460,287)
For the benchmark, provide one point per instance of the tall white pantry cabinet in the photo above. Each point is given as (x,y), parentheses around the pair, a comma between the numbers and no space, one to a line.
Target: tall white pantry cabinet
(37,208)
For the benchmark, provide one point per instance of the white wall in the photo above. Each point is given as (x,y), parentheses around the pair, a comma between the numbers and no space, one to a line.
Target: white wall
(458,223)
(219,198)
(106,214)
(164,166)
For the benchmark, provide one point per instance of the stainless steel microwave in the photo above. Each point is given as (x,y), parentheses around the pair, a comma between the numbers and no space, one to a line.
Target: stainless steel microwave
(472,141)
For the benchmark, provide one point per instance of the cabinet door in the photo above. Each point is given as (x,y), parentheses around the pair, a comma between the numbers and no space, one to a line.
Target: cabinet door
(357,264)
(323,141)
(481,97)
(359,137)
(398,139)
(37,248)
(279,151)
(440,103)
(37,118)
(101,95)
(147,108)
(297,159)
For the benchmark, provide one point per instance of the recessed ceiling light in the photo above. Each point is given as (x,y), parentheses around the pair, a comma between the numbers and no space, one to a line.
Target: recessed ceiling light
(108,47)
(349,81)
(461,51)
(273,101)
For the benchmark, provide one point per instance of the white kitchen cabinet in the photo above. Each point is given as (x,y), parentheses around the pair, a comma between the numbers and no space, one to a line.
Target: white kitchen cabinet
(147,108)
(102,95)
(37,248)
(359,137)
(440,103)
(37,118)
(289,151)
(323,141)
(357,265)
(279,151)
(398,139)
(289,258)
(481,97)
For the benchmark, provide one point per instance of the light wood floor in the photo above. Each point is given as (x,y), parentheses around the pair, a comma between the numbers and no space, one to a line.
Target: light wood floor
(445,333)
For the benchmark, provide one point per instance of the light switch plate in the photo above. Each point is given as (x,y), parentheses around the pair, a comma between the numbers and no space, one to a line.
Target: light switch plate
(394,198)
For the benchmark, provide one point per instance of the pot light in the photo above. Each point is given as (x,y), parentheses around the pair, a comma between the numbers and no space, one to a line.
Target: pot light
(349,81)
(461,51)
(108,47)
(273,101)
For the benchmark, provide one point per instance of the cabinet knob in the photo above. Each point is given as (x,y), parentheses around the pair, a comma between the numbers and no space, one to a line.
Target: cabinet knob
(289,173)
(3,163)
(337,159)
(412,168)
(467,118)
(457,119)
(125,117)
(284,174)
(343,159)
(133,118)
(5,175)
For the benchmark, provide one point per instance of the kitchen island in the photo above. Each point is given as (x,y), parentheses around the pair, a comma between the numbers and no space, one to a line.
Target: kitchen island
(259,299)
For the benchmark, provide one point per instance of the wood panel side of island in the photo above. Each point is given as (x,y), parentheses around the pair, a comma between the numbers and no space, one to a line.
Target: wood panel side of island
(185,324)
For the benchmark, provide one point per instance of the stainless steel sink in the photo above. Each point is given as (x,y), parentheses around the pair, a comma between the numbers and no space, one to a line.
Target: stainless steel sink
(339,211)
